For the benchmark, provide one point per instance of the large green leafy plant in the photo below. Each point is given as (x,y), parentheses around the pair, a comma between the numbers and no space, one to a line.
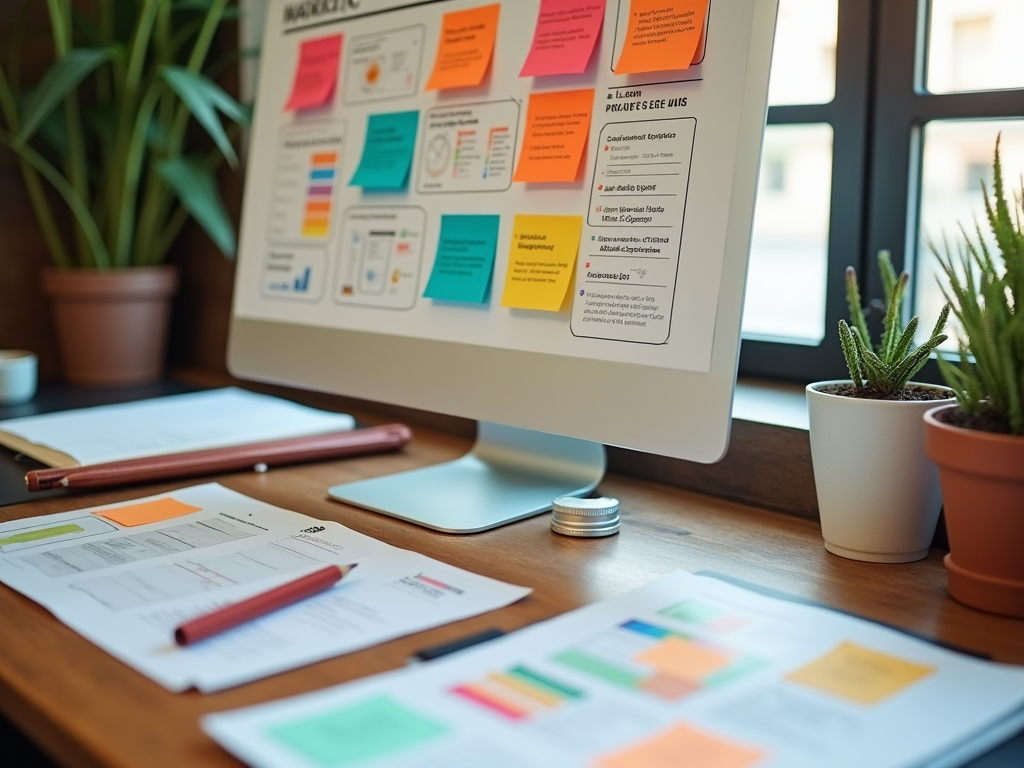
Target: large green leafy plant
(986,289)
(884,371)
(106,129)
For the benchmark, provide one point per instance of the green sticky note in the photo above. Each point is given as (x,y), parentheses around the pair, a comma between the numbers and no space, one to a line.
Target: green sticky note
(357,733)
(465,259)
(40,534)
(692,611)
(387,151)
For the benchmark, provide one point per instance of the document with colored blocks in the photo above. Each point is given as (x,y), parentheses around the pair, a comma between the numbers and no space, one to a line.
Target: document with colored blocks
(688,670)
(126,575)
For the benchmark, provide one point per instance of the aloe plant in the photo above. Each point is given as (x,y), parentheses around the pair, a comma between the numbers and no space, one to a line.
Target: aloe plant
(987,294)
(106,127)
(885,370)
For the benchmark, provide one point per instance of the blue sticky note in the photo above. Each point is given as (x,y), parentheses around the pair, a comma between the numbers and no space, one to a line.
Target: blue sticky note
(465,259)
(387,151)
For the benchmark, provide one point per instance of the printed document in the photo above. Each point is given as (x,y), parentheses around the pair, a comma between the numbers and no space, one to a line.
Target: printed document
(127,588)
(687,671)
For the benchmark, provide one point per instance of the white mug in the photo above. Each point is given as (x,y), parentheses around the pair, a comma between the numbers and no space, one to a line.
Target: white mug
(18,371)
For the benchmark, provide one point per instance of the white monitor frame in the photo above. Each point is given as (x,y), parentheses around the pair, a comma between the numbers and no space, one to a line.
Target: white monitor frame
(670,410)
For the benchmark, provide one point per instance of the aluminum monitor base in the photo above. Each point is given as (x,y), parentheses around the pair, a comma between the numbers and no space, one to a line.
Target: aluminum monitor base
(509,474)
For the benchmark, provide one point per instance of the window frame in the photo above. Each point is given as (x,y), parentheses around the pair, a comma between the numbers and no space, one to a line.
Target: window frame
(878,116)
(903,106)
(848,115)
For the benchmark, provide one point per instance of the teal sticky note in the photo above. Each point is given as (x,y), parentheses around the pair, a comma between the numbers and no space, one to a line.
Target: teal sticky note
(387,151)
(357,733)
(465,259)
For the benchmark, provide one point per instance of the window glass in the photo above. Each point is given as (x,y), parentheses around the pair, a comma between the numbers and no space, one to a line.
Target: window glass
(957,158)
(974,45)
(804,57)
(786,278)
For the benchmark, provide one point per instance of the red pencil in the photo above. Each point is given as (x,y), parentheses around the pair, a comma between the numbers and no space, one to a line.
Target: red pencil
(232,615)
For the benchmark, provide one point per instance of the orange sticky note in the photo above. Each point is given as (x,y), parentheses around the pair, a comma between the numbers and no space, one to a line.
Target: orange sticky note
(661,35)
(681,659)
(147,512)
(317,73)
(465,48)
(557,125)
(683,745)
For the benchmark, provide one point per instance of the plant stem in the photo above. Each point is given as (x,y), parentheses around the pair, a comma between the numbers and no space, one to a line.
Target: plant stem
(74,166)
(124,173)
(81,212)
(36,193)
(157,199)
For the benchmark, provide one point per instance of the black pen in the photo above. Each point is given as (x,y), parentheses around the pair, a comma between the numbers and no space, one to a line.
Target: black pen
(436,651)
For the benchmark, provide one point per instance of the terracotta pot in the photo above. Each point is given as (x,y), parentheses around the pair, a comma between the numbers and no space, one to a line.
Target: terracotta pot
(982,476)
(878,494)
(111,325)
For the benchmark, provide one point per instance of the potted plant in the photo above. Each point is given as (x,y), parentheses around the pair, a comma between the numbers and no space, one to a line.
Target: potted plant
(978,443)
(878,495)
(104,135)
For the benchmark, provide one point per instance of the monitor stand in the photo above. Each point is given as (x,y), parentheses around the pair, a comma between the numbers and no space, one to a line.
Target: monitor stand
(509,474)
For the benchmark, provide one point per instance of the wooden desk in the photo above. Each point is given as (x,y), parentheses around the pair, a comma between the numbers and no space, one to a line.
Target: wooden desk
(88,710)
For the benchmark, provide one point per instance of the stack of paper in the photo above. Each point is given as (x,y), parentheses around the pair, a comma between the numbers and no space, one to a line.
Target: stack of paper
(688,671)
(192,422)
(126,576)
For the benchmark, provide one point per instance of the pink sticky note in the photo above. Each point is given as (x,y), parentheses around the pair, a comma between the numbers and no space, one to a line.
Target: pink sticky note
(317,73)
(564,38)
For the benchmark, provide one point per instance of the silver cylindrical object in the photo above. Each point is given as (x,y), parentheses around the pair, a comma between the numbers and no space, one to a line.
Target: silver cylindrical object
(585,518)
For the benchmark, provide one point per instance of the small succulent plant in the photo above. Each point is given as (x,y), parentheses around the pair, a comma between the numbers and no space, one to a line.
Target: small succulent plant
(885,370)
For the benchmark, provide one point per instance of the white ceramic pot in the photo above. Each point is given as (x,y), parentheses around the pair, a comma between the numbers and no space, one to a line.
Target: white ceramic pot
(878,494)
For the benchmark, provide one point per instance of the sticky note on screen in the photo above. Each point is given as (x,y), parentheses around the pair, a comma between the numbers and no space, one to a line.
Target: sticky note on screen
(557,125)
(541,258)
(564,37)
(147,512)
(661,35)
(465,259)
(387,151)
(316,75)
(465,48)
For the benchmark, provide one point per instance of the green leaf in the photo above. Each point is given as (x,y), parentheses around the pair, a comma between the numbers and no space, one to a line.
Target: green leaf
(197,190)
(59,81)
(849,346)
(204,98)
(903,345)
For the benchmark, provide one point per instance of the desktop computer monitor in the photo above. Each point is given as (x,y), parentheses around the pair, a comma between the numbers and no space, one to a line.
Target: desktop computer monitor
(533,213)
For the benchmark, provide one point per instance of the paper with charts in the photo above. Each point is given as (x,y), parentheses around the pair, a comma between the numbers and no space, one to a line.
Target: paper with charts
(377,122)
(687,671)
(126,575)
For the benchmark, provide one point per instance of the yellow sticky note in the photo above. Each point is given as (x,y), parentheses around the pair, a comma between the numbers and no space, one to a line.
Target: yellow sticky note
(661,35)
(541,257)
(681,659)
(557,125)
(465,49)
(683,745)
(860,674)
(147,512)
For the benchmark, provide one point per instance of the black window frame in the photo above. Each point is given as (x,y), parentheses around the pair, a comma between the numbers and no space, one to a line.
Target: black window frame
(878,114)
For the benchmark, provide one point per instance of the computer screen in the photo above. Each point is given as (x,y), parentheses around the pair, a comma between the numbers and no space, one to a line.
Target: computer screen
(533,213)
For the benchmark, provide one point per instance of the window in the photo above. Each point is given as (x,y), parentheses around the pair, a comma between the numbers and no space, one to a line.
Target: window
(893,156)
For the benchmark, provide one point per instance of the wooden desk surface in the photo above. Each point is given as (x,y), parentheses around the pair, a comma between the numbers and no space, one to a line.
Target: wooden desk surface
(88,709)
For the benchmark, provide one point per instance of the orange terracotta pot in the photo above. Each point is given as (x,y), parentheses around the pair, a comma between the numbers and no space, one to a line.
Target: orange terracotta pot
(982,476)
(111,325)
